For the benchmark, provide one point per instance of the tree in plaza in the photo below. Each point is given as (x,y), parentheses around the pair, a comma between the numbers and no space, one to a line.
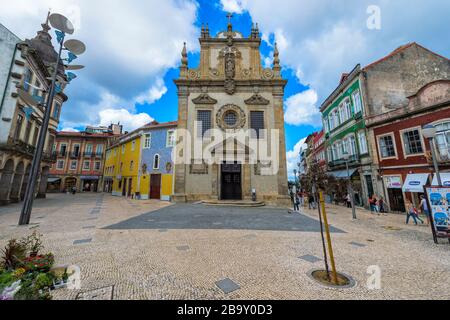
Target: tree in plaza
(317,176)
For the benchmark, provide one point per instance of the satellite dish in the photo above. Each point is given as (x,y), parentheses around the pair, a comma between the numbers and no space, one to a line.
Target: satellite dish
(75,46)
(61,23)
(27,98)
(74,67)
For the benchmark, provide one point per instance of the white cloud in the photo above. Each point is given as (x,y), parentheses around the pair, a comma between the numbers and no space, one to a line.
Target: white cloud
(70,130)
(153,94)
(128,120)
(322,39)
(293,157)
(130,46)
(234,6)
(301,109)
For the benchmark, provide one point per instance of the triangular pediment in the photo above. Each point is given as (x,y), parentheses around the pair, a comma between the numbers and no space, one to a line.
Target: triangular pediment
(257,99)
(204,99)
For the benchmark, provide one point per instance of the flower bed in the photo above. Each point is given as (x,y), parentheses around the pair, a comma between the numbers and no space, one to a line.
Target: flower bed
(25,274)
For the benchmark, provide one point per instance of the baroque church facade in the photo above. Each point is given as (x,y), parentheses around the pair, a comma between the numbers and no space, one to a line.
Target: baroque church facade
(231,134)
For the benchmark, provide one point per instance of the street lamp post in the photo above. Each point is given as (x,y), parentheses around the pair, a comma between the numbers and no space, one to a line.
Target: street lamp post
(349,186)
(429,132)
(74,47)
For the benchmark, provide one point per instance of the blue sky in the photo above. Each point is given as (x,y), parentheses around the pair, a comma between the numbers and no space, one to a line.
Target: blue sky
(134,49)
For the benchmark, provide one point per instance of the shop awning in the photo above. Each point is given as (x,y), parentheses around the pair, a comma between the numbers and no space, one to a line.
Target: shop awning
(343,174)
(415,182)
(445,177)
(90,178)
(53,180)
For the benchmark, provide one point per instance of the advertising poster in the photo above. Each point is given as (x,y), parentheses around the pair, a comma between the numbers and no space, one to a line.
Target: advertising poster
(439,201)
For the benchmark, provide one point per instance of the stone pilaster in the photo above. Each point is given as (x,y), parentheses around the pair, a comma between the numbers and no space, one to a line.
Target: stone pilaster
(279,125)
(182,141)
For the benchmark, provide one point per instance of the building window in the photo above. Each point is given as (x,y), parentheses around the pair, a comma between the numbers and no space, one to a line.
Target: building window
(97,165)
(133,145)
(87,165)
(76,150)
(18,127)
(73,165)
(387,147)
(27,80)
(60,165)
(170,138)
(63,150)
(36,135)
(443,140)
(204,122)
(156,162)
(99,149)
(326,125)
(363,148)
(56,110)
(28,131)
(257,124)
(413,142)
(356,96)
(148,141)
(88,152)
(123,149)
(36,89)
(131,165)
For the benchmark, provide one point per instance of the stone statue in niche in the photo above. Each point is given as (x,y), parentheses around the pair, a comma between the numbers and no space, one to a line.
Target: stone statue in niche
(230,66)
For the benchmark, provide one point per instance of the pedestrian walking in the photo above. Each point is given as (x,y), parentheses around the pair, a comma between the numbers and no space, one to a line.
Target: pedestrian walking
(312,202)
(381,206)
(412,213)
(374,209)
(348,199)
(424,208)
(297,203)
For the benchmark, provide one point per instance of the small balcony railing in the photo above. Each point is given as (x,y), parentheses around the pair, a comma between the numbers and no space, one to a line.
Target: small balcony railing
(75,155)
(342,162)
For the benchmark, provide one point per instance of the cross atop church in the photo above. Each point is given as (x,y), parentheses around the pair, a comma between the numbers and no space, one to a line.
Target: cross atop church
(230,26)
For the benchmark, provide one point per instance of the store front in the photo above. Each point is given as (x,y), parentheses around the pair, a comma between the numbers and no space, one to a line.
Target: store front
(90,183)
(395,199)
(53,185)
(413,187)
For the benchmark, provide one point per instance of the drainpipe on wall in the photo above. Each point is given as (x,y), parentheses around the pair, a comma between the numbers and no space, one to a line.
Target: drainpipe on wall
(9,76)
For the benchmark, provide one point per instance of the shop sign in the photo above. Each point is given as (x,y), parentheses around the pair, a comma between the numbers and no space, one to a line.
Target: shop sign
(394,182)
(439,201)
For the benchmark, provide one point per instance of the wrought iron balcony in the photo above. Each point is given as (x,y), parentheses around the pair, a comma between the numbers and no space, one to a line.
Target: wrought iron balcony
(352,160)
(75,155)
(88,154)
(19,146)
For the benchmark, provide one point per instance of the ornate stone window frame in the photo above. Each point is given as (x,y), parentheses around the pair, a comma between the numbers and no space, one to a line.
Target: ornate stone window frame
(240,114)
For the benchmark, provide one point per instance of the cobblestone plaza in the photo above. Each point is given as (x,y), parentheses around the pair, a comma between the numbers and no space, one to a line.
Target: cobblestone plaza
(154,250)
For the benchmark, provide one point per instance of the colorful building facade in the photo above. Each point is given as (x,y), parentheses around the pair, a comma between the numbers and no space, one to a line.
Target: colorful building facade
(404,155)
(79,160)
(140,165)
(346,135)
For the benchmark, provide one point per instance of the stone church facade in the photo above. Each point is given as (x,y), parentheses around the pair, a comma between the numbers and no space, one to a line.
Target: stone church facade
(228,95)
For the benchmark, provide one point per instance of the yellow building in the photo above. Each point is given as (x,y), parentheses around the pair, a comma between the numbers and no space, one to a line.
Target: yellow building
(140,165)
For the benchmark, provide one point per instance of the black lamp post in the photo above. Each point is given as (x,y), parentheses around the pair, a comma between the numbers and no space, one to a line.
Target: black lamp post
(75,47)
